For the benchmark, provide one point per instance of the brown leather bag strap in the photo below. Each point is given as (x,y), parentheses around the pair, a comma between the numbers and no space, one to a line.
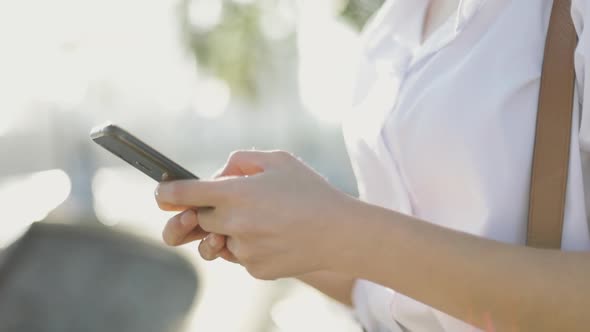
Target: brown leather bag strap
(553,133)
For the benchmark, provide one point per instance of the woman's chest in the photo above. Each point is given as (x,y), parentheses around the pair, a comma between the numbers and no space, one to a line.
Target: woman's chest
(456,121)
(437,13)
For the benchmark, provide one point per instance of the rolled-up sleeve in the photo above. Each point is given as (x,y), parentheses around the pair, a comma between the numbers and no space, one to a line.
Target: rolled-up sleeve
(581,14)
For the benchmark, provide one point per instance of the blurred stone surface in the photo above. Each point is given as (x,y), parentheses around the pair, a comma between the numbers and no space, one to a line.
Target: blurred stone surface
(62,278)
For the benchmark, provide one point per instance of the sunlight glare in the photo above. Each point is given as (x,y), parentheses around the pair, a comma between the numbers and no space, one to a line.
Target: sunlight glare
(30,198)
(212,97)
(204,15)
(126,196)
(328,53)
(278,19)
(243,2)
(321,313)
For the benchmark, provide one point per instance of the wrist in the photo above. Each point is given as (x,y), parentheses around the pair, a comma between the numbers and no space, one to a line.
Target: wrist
(353,247)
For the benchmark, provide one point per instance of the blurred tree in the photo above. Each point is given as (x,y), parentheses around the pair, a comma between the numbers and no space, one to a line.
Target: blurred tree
(230,49)
(227,40)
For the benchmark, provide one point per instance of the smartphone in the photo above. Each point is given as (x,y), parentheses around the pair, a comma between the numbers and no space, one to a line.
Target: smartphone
(138,154)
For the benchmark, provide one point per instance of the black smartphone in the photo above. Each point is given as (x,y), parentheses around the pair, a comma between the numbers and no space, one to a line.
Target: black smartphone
(138,154)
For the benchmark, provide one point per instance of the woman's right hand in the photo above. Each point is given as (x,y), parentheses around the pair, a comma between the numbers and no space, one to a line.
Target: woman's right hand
(281,218)
(184,228)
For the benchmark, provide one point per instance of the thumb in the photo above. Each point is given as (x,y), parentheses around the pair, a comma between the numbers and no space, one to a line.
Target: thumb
(245,163)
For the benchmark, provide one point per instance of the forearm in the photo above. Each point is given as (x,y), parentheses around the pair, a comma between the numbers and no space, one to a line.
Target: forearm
(483,282)
(334,285)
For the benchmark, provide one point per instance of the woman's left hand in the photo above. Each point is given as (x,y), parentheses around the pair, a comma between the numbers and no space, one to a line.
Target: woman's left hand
(280,217)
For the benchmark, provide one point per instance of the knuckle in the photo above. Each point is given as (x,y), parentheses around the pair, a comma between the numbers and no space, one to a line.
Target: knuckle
(283,155)
(237,155)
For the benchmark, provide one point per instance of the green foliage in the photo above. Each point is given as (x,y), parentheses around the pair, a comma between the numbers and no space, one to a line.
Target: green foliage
(232,50)
(359,11)
(235,50)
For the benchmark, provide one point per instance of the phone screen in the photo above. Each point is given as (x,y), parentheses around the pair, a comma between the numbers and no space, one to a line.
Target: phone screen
(138,154)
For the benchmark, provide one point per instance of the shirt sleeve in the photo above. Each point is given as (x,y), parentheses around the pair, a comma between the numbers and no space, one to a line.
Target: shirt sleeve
(581,14)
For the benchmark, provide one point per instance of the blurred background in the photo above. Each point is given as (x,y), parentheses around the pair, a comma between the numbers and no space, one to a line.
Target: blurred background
(196,79)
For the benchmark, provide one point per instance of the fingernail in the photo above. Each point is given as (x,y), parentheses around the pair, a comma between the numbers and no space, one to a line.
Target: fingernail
(188,218)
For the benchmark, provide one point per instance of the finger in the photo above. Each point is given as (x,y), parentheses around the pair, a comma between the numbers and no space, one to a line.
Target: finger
(228,256)
(166,206)
(210,247)
(231,246)
(194,193)
(218,173)
(211,220)
(182,228)
(242,163)
(196,234)
(216,244)
(171,207)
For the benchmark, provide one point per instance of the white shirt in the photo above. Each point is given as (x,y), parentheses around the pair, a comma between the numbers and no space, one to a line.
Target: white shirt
(444,131)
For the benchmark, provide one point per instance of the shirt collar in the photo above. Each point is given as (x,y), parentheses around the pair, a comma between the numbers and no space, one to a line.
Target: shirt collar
(402,21)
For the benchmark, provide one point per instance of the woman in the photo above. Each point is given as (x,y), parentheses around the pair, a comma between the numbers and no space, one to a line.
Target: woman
(441,142)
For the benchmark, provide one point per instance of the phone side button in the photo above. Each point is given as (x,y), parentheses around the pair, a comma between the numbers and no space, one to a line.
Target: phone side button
(142,166)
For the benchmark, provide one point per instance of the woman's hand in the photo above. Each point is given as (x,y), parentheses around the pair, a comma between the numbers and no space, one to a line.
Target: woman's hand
(184,228)
(280,217)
